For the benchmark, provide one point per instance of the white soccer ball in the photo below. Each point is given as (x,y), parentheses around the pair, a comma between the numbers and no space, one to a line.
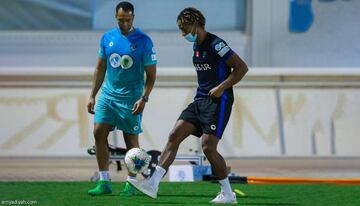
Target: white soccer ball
(137,160)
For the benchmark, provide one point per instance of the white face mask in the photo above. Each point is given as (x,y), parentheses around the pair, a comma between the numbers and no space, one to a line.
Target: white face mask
(190,37)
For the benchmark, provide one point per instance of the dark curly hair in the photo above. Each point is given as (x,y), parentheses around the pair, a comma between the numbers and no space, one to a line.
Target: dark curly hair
(191,15)
(126,6)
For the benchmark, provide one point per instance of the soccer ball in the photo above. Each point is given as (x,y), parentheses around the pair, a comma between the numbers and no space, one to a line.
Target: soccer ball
(137,160)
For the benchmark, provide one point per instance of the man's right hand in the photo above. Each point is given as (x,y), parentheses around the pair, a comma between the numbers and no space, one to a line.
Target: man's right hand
(90,105)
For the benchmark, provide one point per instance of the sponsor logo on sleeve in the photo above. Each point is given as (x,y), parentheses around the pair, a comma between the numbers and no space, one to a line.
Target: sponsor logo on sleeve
(222,48)
(153,57)
(219,46)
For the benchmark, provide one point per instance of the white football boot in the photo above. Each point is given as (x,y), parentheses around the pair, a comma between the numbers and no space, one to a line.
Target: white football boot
(145,187)
(221,198)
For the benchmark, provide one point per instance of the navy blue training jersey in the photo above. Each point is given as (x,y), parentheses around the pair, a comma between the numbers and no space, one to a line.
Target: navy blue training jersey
(210,63)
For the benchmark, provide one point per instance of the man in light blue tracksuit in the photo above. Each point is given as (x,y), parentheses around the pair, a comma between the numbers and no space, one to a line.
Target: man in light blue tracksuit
(126,54)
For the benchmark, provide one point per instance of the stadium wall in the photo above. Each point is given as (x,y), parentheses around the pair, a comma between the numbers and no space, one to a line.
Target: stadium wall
(331,41)
(277,112)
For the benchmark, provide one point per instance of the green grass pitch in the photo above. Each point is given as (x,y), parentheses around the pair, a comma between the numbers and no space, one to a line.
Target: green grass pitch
(197,193)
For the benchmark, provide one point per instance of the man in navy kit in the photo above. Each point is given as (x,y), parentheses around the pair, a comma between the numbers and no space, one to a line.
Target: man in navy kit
(218,69)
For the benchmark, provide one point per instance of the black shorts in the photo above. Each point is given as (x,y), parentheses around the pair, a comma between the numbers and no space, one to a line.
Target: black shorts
(208,115)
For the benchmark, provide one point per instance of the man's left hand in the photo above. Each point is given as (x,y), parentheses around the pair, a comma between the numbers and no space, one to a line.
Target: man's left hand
(138,107)
(216,92)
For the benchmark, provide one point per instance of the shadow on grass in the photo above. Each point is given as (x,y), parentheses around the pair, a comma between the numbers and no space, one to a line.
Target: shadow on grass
(213,196)
(258,197)
(161,200)
(182,195)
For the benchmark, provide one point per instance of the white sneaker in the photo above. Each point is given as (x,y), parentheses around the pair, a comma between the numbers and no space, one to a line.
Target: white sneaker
(221,198)
(145,187)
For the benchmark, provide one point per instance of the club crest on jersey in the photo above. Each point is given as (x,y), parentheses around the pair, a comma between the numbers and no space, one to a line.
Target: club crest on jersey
(115,60)
(124,61)
(203,55)
(197,54)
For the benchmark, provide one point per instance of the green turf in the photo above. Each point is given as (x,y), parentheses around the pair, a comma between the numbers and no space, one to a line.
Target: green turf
(199,193)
